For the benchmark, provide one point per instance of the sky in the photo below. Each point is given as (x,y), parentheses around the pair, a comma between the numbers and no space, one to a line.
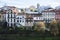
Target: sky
(27,3)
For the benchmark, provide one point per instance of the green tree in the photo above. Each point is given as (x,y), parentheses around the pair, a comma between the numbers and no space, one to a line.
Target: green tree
(54,27)
(58,23)
(40,26)
(22,10)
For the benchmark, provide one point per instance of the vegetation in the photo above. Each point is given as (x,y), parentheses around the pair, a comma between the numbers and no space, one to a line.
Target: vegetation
(40,26)
(18,37)
(54,27)
(22,10)
(37,32)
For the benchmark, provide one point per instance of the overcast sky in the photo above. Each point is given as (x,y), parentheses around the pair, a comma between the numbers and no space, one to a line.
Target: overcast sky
(27,3)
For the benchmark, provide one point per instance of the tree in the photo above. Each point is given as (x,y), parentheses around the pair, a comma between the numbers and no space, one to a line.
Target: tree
(58,23)
(4,25)
(40,26)
(35,10)
(22,10)
(54,27)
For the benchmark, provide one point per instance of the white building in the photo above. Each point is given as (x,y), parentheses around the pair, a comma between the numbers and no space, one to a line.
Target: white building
(36,16)
(24,20)
(20,19)
(10,18)
(48,15)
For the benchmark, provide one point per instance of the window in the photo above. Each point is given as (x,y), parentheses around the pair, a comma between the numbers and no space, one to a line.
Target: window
(11,24)
(8,20)
(39,17)
(11,11)
(17,17)
(11,15)
(14,20)
(14,15)
(8,15)
(17,20)
(27,21)
(22,16)
(20,20)
(36,17)
(11,20)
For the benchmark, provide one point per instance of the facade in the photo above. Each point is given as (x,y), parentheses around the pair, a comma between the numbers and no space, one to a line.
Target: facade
(27,17)
(29,20)
(57,14)
(1,17)
(2,12)
(14,9)
(36,16)
(48,15)
(20,19)
(24,20)
(27,10)
(10,18)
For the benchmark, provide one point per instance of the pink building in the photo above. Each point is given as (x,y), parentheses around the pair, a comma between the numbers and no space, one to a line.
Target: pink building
(57,15)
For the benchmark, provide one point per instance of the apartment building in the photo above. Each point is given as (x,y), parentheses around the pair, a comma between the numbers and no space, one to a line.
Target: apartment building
(48,15)
(36,16)
(1,16)
(10,18)
(15,17)
(29,20)
(24,20)
(20,19)
(57,14)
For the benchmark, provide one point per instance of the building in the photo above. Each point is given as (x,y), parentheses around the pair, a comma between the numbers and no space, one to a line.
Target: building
(29,20)
(24,20)
(25,17)
(48,15)
(20,19)
(27,10)
(14,9)
(19,10)
(36,16)
(57,14)
(1,16)
(10,18)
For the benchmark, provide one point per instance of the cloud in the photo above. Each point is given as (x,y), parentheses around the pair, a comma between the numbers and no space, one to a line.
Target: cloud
(54,4)
(27,3)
